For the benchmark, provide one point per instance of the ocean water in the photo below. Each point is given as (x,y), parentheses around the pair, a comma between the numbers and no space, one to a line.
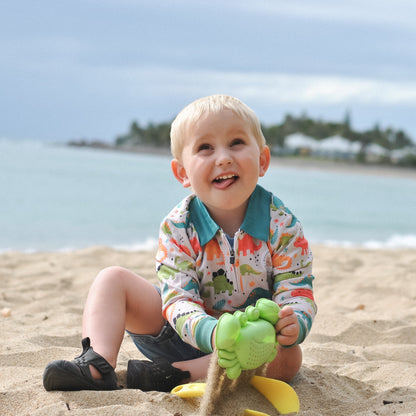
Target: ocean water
(55,197)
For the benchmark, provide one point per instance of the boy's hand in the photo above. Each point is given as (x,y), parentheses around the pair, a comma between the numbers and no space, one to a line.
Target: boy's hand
(287,327)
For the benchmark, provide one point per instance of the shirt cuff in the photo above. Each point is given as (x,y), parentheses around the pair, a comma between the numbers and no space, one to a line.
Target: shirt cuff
(203,333)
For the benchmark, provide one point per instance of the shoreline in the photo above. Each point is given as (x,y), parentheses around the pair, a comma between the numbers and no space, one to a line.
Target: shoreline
(298,162)
(148,247)
(344,167)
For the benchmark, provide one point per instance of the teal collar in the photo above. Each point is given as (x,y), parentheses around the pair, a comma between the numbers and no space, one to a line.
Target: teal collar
(256,222)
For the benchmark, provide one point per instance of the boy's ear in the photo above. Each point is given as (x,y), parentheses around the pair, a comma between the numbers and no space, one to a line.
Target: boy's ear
(264,160)
(180,173)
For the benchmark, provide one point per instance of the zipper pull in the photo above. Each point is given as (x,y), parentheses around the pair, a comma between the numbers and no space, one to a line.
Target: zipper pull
(232,257)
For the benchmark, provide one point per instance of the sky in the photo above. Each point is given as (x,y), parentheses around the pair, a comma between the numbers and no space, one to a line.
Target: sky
(86,69)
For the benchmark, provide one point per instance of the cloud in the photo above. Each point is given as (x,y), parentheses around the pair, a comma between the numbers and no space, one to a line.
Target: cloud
(273,87)
(382,12)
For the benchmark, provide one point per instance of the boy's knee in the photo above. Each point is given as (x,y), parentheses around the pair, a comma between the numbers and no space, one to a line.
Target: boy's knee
(286,364)
(293,355)
(111,274)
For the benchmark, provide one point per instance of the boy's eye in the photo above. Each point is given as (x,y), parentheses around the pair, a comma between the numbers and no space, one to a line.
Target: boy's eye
(237,141)
(204,146)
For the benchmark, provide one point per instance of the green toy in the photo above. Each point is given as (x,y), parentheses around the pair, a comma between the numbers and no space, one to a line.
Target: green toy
(247,340)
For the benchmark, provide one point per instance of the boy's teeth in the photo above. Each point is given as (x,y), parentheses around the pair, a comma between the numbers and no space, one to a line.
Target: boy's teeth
(224,181)
(224,177)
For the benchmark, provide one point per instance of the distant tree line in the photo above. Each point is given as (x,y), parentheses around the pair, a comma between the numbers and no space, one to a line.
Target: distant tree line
(157,135)
(387,138)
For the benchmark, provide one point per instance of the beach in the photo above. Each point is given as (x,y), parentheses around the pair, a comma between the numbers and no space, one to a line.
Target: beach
(359,359)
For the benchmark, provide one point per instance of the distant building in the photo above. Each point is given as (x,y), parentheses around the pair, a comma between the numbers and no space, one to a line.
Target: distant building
(299,144)
(399,155)
(376,153)
(338,147)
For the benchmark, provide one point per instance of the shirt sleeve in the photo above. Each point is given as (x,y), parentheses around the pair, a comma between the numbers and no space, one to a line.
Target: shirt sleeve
(182,305)
(292,268)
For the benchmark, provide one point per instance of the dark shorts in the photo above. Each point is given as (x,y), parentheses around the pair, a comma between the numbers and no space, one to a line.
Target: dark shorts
(167,344)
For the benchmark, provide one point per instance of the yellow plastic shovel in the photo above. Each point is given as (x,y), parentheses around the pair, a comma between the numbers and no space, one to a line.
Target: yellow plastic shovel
(280,395)
(248,412)
(189,390)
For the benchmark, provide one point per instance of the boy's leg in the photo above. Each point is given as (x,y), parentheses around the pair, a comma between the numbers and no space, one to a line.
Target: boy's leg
(198,367)
(119,299)
(286,364)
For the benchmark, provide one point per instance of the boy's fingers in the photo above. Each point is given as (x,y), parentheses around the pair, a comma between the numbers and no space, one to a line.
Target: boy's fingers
(285,311)
(285,321)
(288,335)
(289,330)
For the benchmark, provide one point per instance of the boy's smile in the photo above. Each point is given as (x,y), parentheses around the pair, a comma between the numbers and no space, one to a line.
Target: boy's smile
(222,161)
(223,181)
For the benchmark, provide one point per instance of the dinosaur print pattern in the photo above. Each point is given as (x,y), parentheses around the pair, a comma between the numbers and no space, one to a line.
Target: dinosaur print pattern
(220,283)
(247,245)
(302,242)
(202,275)
(247,269)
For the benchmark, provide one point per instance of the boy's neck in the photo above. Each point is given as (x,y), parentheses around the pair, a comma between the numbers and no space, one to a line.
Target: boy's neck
(230,230)
(229,220)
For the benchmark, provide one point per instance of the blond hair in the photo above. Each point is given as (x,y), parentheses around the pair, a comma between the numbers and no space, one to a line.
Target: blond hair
(212,104)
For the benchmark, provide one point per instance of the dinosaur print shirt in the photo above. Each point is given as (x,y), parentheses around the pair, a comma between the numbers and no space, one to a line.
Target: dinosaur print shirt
(202,275)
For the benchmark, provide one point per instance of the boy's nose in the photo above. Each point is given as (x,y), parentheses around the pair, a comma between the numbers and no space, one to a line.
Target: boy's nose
(224,158)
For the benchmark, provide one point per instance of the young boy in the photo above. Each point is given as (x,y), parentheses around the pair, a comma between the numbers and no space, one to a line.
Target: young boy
(221,249)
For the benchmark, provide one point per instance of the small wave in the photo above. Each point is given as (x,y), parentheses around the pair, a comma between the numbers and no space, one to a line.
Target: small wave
(393,242)
(148,245)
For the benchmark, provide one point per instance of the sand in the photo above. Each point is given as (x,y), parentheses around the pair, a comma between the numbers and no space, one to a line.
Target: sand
(360,358)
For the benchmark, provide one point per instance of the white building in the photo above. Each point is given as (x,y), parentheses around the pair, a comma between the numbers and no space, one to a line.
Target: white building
(338,147)
(396,156)
(374,152)
(299,143)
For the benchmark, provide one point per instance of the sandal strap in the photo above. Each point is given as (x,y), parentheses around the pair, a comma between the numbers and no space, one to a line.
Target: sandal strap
(90,357)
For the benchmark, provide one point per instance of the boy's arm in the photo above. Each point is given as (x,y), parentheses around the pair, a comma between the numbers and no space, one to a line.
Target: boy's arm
(182,305)
(292,272)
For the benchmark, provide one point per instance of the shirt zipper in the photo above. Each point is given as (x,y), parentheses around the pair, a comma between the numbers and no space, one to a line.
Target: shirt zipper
(232,258)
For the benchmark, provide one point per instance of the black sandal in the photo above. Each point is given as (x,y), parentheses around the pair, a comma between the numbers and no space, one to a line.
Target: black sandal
(76,374)
(158,375)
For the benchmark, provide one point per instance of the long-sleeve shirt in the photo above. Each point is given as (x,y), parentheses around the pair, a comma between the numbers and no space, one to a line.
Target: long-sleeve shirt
(203,275)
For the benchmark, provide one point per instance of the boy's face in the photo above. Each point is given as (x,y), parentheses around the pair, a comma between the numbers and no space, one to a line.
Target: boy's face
(222,162)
